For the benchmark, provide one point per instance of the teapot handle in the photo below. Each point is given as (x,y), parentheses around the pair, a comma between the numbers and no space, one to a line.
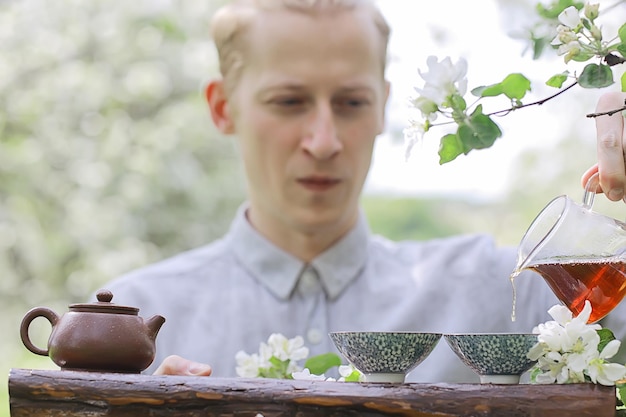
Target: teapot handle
(590,190)
(50,315)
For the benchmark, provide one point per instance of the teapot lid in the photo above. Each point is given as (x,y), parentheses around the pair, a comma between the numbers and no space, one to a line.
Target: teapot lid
(104,305)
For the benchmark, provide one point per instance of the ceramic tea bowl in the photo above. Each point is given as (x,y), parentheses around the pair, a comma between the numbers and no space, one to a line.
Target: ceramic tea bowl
(385,356)
(497,358)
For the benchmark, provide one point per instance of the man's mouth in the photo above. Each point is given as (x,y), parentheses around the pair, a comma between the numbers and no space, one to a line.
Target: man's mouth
(316,183)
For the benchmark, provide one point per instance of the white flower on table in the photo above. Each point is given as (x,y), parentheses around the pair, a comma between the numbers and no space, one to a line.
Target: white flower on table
(306,375)
(567,350)
(344,370)
(283,348)
(248,365)
(287,352)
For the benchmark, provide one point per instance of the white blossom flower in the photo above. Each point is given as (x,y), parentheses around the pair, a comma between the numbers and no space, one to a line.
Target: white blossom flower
(605,373)
(427,106)
(570,17)
(346,370)
(412,135)
(569,49)
(306,375)
(567,350)
(592,11)
(248,365)
(282,348)
(564,35)
(443,79)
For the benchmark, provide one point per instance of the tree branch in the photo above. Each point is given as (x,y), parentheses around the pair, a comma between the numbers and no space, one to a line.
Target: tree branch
(608,113)
(535,103)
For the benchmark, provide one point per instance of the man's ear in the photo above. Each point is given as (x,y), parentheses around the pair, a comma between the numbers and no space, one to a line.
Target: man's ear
(218,104)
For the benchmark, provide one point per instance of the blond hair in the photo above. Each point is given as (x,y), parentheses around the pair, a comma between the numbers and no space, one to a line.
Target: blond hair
(230,22)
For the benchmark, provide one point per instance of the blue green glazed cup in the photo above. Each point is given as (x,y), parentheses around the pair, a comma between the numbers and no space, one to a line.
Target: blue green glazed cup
(385,356)
(497,358)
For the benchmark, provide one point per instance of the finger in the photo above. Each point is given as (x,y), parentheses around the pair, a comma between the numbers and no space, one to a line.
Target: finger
(610,134)
(175,365)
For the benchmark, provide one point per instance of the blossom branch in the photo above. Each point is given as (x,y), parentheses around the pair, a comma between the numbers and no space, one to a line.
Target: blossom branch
(535,103)
(578,38)
(608,113)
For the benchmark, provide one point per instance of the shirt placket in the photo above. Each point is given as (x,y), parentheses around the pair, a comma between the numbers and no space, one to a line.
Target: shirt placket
(315,305)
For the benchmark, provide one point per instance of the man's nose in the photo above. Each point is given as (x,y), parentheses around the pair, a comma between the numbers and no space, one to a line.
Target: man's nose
(321,140)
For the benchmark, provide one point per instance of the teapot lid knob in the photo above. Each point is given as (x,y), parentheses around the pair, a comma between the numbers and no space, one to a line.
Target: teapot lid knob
(104,296)
(104,305)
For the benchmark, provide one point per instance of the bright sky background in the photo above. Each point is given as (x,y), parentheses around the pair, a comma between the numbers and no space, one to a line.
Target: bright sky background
(476,30)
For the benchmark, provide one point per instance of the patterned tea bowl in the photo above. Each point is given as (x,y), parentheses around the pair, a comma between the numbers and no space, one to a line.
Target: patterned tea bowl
(497,358)
(385,356)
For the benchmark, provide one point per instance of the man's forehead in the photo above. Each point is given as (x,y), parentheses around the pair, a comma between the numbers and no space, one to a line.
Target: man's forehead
(286,31)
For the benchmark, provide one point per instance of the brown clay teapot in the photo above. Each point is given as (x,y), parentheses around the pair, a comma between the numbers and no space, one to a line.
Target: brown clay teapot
(99,336)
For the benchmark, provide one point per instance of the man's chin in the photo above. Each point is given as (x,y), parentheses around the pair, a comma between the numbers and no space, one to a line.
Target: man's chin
(329,221)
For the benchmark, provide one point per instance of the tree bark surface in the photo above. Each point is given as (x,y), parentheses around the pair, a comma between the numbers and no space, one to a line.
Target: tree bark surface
(38,393)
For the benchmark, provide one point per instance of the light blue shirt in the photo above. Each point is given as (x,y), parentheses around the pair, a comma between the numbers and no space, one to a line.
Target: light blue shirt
(233,293)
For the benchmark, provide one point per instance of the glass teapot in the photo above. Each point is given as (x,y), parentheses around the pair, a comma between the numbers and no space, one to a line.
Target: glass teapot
(580,253)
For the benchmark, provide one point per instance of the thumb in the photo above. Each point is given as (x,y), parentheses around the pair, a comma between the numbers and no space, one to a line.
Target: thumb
(175,365)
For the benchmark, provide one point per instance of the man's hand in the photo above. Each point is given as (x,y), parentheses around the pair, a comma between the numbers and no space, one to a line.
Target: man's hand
(175,365)
(611,147)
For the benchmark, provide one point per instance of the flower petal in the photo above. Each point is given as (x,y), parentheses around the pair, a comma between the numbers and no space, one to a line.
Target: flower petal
(610,349)
(560,313)
(570,17)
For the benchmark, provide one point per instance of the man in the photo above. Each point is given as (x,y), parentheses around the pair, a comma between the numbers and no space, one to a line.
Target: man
(303,91)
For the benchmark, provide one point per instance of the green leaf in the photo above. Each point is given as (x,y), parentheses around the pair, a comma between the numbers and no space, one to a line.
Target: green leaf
(622,33)
(515,86)
(621,48)
(539,45)
(557,80)
(606,336)
(596,76)
(478,132)
(624,82)
(621,393)
(355,376)
(582,56)
(488,90)
(533,373)
(319,364)
(277,370)
(450,147)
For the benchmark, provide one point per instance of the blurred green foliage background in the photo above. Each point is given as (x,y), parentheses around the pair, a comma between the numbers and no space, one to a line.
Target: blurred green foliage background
(109,160)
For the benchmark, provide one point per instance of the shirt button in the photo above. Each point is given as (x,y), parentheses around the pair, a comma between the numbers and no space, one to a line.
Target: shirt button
(314,336)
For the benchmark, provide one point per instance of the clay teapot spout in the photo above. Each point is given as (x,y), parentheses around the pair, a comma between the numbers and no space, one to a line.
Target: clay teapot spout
(154,324)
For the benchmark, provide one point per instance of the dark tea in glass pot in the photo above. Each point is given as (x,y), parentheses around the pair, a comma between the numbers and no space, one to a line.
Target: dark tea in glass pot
(581,254)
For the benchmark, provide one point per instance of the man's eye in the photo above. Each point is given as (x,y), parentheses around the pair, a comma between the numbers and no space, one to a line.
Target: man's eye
(351,103)
(288,102)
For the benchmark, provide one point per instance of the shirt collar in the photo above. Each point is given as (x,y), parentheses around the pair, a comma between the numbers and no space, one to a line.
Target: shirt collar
(280,271)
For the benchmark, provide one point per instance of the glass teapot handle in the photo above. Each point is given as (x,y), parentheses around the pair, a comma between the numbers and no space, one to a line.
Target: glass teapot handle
(590,190)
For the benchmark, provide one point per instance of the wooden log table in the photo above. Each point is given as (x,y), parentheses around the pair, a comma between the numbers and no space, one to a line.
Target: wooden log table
(36,393)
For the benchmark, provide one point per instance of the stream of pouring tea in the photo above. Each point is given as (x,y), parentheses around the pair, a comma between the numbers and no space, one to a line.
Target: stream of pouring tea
(514,274)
